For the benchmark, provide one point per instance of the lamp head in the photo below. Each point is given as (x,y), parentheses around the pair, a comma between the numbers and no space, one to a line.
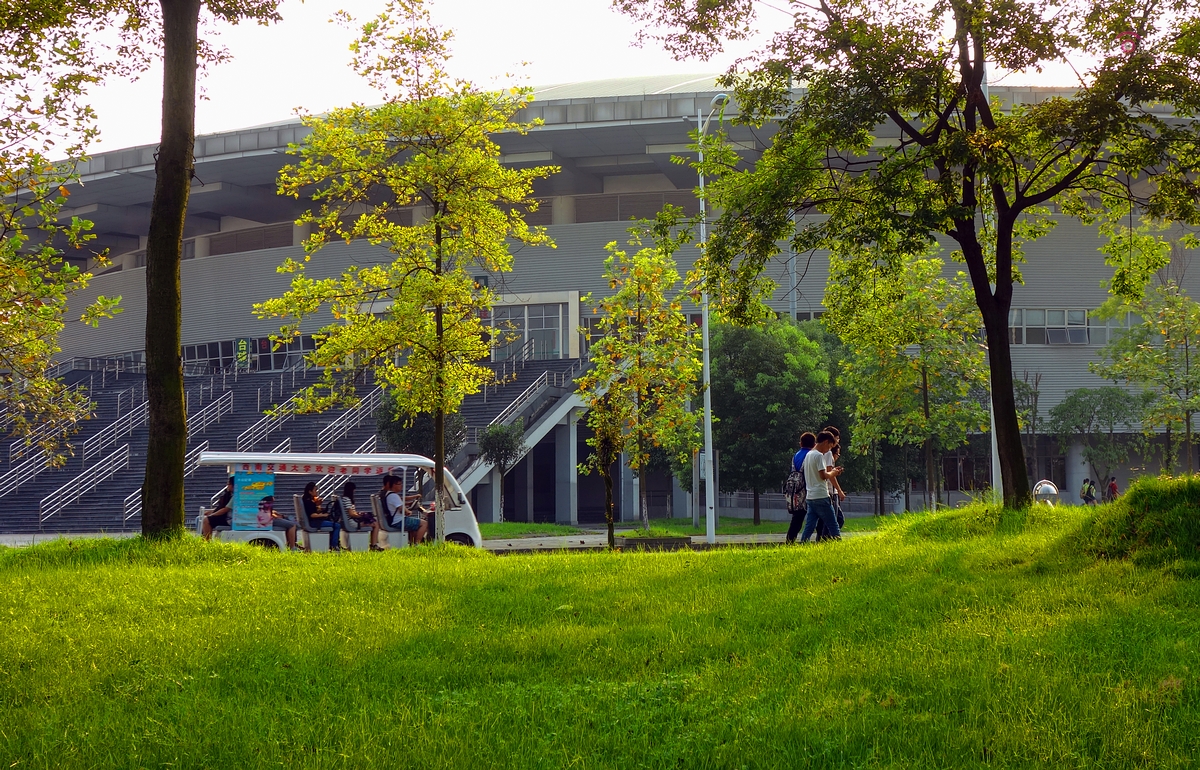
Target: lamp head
(721,99)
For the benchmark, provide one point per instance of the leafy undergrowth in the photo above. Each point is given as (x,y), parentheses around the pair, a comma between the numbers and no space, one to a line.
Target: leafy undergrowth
(1156,522)
(966,638)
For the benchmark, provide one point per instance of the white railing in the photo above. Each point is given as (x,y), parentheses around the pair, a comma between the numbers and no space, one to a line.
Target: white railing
(284,446)
(122,426)
(268,424)
(509,366)
(191,460)
(82,484)
(328,483)
(25,444)
(133,506)
(212,413)
(349,419)
(22,473)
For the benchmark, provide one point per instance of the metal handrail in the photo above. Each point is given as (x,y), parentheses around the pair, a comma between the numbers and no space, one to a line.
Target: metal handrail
(133,506)
(268,424)
(122,426)
(21,446)
(191,460)
(328,482)
(284,446)
(82,484)
(349,419)
(22,473)
(199,421)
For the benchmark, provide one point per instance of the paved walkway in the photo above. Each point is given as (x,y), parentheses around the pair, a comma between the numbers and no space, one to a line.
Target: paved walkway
(589,541)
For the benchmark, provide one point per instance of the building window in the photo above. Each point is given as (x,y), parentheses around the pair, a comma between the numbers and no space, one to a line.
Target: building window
(1055,326)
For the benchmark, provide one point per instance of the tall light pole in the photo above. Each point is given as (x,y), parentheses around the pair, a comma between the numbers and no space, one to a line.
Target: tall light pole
(710,489)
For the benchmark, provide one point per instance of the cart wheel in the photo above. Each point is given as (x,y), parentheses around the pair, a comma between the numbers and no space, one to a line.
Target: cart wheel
(461,539)
(267,543)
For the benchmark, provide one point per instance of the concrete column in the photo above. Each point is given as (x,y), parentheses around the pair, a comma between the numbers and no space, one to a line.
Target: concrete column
(629,505)
(562,210)
(299,233)
(1077,471)
(489,497)
(680,505)
(202,245)
(566,470)
(527,509)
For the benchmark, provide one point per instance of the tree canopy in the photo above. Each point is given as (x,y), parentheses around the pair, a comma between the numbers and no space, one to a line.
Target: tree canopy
(893,137)
(769,384)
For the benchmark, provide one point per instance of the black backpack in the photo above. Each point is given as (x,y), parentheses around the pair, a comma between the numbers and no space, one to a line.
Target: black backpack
(795,492)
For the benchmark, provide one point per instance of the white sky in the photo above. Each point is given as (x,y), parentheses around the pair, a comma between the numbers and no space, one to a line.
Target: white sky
(303,61)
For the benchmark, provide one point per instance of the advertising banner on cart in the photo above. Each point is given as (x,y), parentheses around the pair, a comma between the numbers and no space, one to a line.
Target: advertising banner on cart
(253,500)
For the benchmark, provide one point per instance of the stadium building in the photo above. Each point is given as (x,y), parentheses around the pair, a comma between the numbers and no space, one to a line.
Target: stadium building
(614,140)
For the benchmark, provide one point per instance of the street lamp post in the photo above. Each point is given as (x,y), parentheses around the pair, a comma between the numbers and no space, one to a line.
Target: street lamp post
(710,492)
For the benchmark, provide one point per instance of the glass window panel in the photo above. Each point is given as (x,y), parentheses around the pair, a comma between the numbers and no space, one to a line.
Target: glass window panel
(307,340)
(1035,336)
(1076,317)
(1016,336)
(1056,318)
(1099,335)
(227,349)
(1035,317)
(1014,318)
(1077,336)
(1056,336)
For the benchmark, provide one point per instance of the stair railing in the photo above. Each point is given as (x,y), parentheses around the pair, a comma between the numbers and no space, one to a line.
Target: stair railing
(122,426)
(82,484)
(24,445)
(284,446)
(133,503)
(22,473)
(268,424)
(328,483)
(212,413)
(349,419)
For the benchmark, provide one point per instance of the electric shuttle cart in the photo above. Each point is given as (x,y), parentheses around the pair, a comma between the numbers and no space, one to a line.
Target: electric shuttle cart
(254,496)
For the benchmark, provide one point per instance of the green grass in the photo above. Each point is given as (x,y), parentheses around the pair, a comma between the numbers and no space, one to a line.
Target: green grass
(970,638)
(731,526)
(507,529)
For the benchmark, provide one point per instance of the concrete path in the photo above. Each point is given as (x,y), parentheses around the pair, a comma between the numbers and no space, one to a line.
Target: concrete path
(590,541)
(42,537)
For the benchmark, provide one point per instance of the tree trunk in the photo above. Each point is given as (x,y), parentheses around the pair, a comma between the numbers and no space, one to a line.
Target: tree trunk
(1013,473)
(878,492)
(930,478)
(1187,416)
(606,474)
(439,417)
(162,488)
(757,518)
(907,483)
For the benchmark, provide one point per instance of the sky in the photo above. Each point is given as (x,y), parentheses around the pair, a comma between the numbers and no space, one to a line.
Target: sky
(303,62)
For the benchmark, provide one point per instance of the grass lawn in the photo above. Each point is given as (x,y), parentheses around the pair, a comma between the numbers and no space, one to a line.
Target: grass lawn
(509,529)
(731,526)
(969,638)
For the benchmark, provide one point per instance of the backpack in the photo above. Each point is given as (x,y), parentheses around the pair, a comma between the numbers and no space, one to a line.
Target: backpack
(795,492)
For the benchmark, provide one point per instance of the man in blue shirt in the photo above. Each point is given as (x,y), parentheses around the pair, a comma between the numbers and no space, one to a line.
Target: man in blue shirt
(807,442)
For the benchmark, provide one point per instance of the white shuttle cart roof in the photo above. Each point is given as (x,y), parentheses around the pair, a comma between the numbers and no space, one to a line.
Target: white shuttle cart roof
(314,462)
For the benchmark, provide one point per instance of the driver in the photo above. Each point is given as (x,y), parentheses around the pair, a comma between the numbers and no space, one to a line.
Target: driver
(393,508)
(219,516)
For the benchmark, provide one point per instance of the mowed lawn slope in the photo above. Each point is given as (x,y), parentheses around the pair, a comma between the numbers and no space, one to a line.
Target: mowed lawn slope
(973,638)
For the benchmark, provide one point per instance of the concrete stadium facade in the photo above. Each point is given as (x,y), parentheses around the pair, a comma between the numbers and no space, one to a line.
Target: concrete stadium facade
(614,141)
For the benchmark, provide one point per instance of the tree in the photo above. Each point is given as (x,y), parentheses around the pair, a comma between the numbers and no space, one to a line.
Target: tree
(1157,350)
(426,149)
(503,446)
(44,72)
(647,361)
(953,163)
(1102,420)
(769,384)
(915,361)
(413,433)
(606,421)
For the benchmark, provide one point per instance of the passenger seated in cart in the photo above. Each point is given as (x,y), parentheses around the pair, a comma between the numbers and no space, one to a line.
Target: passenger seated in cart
(355,520)
(394,509)
(320,518)
(280,523)
(219,516)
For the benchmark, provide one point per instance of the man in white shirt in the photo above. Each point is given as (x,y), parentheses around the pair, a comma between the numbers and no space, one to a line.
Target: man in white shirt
(395,510)
(819,477)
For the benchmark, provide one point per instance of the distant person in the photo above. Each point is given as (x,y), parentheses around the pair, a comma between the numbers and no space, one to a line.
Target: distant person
(353,519)
(319,518)
(220,515)
(1112,489)
(796,489)
(817,478)
(836,495)
(1087,493)
(393,508)
(836,498)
